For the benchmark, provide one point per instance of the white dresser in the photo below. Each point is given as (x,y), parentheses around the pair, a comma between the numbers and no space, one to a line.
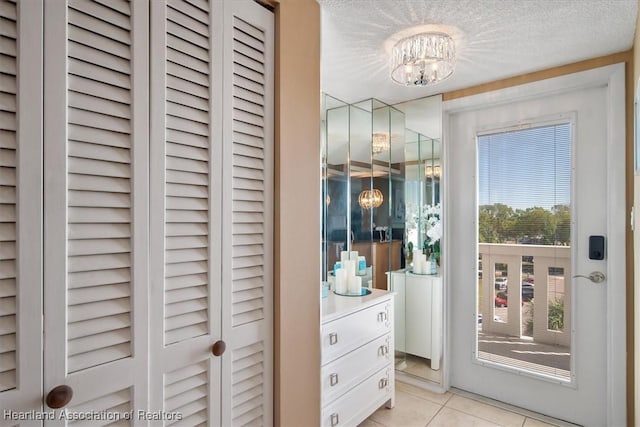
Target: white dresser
(357,371)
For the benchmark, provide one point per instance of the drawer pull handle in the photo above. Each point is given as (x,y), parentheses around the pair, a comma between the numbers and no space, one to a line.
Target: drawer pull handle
(335,420)
(382,383)
(382,316)
(383,350)
(333,379)
(333,338)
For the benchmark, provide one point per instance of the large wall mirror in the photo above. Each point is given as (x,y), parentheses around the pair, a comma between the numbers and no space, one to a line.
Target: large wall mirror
(381,197)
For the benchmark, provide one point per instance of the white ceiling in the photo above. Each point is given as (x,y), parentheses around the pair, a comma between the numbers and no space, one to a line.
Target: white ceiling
(495,39)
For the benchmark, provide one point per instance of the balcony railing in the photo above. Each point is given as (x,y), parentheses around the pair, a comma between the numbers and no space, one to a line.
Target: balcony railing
(548,269)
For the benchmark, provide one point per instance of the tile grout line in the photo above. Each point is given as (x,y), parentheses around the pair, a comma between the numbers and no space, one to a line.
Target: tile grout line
(435,415)
(513,409)
(487,404)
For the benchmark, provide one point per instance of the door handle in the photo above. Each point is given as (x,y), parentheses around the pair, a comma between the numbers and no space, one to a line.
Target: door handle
(218,348)
(59,397)
(594,276)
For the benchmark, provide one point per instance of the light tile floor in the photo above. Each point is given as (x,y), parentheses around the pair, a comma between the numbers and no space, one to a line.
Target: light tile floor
(421,408)
(418,367)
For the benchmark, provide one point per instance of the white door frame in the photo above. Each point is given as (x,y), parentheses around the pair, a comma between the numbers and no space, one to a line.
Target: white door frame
(613,77)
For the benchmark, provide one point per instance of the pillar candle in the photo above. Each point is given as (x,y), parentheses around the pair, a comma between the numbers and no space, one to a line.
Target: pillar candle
(416,255)
(350,266)
(341,281)
(417,265)
(344,256)
(355,285)
(353,255)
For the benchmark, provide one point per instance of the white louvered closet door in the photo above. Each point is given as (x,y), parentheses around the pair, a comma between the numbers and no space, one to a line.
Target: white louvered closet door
(185,211)
(20,208)
(211,220)
(96,204)
(247,237)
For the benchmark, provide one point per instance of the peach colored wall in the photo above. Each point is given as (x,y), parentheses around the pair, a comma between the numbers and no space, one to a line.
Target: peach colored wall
(297,216)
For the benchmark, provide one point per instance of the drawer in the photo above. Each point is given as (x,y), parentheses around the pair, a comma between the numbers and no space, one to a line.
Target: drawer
(361,401)
(350,369)
(347,333)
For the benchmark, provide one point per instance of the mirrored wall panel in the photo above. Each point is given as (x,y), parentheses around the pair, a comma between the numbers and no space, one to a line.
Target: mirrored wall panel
(381,205)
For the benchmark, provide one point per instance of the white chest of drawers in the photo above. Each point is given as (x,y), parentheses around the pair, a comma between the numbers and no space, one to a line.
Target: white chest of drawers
(357,357)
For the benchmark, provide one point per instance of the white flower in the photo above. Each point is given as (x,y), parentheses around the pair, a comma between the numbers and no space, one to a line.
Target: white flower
(435,232)
(430,219)
(432,216)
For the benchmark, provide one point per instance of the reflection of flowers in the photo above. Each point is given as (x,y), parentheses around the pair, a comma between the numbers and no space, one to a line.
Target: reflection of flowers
(431,225)
(431,214)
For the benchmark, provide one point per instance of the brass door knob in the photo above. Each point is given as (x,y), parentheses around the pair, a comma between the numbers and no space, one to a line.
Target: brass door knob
(218,348)
(59,397)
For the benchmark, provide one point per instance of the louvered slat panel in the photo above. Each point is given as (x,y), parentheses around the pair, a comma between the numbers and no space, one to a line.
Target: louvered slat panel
(99,185)
(96,199)
(104,13)
(99,152)
(8,205)
(187,157)
(100,231)
(93,294)
(173,229)
(101,78)
(248,173)
(98,41)
(186,391)
(186,281)
(181,98)
(7,288)
(98,137)
(247,388)
(100,325)
(186,21)
(110,407)
(187,112)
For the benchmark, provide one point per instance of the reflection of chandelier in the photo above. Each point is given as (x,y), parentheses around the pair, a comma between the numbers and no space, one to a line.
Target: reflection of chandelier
(433,171)
(380,142)
(370,199)
(423,59)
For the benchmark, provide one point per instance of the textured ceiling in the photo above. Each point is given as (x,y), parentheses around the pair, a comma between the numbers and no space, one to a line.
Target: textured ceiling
(495,39)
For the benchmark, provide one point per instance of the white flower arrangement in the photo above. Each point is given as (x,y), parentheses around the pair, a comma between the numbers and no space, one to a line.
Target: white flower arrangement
(432,216)
(431,220)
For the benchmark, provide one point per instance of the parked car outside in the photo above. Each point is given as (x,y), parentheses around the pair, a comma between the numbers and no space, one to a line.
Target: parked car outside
(501,299)
(500,283)
(527,291)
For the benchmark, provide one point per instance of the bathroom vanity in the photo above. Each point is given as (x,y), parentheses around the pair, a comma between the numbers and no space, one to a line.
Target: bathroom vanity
(357,371)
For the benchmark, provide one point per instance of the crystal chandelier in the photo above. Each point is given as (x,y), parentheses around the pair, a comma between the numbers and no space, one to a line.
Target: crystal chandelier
(370,199)
(423,59)
(380,142)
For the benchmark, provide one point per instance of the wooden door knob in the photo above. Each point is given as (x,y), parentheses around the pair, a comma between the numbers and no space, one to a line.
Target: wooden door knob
(59,397)
(218,348)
